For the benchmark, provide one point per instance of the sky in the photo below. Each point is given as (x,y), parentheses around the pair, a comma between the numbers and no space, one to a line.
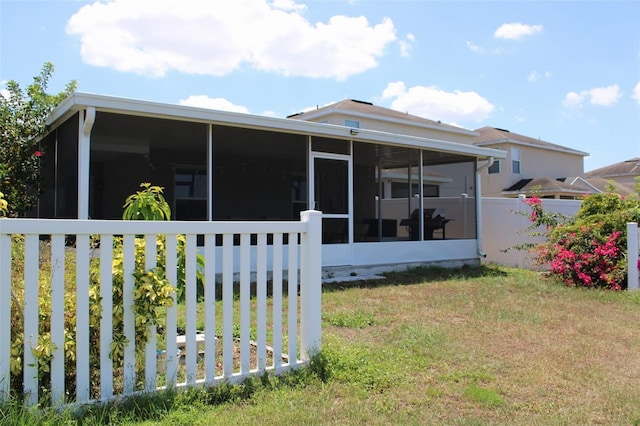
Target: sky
(567,72)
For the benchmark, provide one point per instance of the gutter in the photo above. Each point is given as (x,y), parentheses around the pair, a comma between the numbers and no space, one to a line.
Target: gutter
(479,170)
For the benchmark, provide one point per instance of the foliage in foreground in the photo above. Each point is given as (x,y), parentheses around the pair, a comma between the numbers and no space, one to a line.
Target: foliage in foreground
(588,250)
(23,115)
(152,290)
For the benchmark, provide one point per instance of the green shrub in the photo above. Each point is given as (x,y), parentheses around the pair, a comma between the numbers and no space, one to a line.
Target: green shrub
(151,286)
(588,250)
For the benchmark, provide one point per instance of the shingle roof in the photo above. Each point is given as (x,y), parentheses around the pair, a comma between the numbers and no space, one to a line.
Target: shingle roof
(629,167)
(603,185)
(491,136)
(368,108)
(548,185)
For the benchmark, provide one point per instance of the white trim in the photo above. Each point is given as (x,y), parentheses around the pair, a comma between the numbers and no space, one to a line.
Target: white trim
(382,118)
(553,147)
(78,101)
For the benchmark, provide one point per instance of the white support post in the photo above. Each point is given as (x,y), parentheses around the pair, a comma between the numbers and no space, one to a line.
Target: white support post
(85,124)
(311,284)
(632,256)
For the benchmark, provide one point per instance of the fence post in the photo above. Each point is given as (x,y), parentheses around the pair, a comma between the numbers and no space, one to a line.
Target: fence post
(5,312)
(632,256)
(310,284)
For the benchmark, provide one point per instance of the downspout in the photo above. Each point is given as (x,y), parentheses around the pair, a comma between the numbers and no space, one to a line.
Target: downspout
(479,170)
(84,152)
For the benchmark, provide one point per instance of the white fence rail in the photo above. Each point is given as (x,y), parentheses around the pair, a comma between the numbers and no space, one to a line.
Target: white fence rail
(266,334)
(633,236)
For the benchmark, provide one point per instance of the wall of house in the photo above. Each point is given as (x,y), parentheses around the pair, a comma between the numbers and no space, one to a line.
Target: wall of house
(534,163)
(398,128)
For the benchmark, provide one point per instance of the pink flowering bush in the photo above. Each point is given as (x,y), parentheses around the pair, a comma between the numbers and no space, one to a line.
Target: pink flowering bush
(588,250)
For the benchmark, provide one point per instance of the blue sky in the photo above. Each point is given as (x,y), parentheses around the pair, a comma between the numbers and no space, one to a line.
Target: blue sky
(567,72)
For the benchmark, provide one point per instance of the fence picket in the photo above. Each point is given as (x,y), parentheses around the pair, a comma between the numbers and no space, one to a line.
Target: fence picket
(31,284)
(210,307)
(106,322)
(261,301)
(128,317)
(245,307)
(171,348)
(276,300)
(57,318)
(191,301)
(227,305)
(151,355)
(82,317)
(292,299)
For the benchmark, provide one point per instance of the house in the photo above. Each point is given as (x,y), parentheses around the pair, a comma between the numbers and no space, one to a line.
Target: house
(218,165)
(623,175)
(532,166)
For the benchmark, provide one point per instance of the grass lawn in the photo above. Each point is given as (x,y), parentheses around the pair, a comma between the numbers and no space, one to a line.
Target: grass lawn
(486,345)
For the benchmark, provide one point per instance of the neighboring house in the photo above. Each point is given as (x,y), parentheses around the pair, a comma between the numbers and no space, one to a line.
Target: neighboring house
(532,166)
(217,165)
(623,175)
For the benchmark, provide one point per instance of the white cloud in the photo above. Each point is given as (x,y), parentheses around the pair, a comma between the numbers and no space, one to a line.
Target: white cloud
(605,96)
(153,37)
(203,101)
(573,100)
(436,104)
(535,75)
(601,96)
(475,48)
(287,5)
(406,45)
(516,31)
(636,93)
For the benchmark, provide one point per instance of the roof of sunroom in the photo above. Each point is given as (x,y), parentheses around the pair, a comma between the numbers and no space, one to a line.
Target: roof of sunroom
(78,101)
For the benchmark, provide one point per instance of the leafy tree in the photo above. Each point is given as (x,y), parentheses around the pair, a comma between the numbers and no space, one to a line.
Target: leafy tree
(22,123)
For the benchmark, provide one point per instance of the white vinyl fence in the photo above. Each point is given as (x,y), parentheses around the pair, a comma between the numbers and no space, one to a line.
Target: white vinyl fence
(257,334)
(504,225)
(633,236)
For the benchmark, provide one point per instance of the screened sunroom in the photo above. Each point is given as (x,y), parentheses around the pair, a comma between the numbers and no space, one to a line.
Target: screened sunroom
(385,198)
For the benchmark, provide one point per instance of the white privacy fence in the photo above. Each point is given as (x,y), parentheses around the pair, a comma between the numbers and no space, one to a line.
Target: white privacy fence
(504,225)
(222,337)
(633,235)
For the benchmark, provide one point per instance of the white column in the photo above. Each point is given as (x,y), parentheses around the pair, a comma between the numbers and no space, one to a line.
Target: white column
(85,124)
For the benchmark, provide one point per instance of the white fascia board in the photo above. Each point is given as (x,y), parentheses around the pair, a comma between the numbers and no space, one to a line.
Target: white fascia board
(557,148)
(351,113)
(78,101)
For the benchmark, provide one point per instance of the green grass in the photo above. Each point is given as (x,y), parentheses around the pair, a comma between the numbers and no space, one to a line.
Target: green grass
(482,345)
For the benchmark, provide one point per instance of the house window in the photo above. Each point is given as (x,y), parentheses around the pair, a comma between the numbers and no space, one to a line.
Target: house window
(352,123)
(495,168)
(515,160)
